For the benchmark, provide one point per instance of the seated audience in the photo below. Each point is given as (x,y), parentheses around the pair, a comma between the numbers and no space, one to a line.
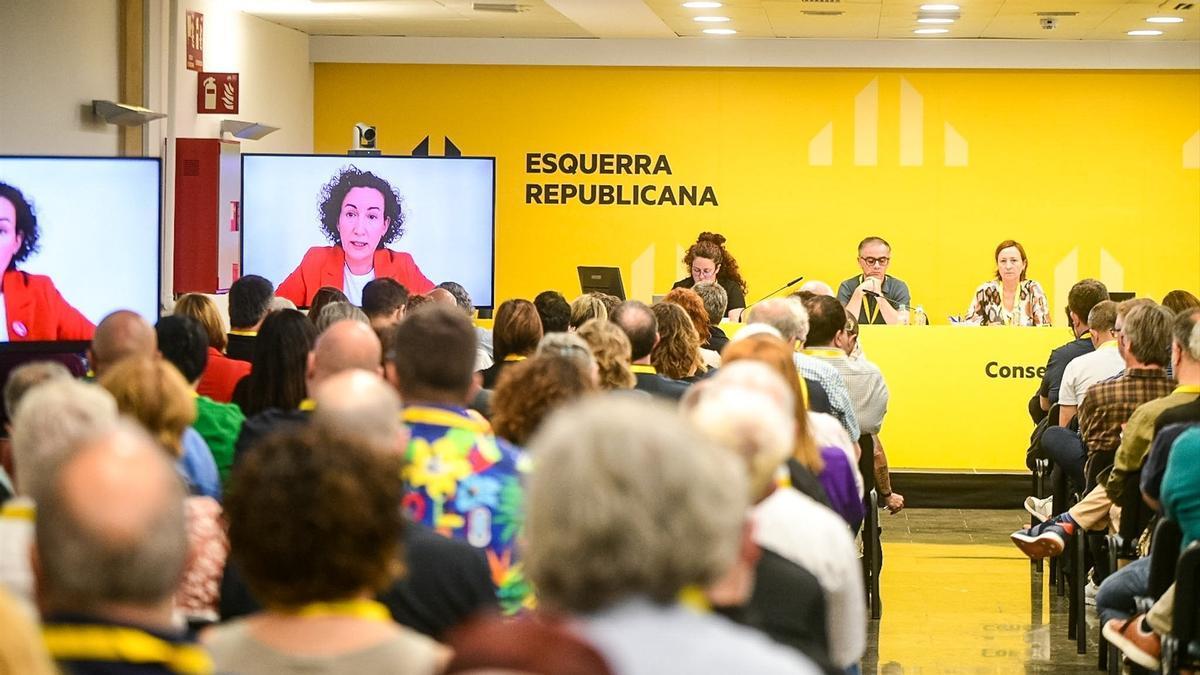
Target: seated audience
(383,301)
(715,300)
(324,296)
(677,353)
(1083,296)
(529,391)
(120,335)
(483,352)
(554,311)
(276,379)
(20,380)
(249,303)
(691,303)
(340,311)
(613,475)
(109,574)
(316,570)
(515,336)
(221,373)
(611,350)
(459,478)
(641,327)
(1180,300)
(571,347)
(1104,363)
(416,300)
(585,308)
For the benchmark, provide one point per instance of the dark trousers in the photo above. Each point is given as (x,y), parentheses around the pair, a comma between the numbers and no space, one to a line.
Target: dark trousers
(1066,450)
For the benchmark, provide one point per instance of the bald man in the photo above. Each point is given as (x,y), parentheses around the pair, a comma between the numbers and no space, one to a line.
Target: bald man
(120,335)
(443,296)
(345,345)
(111,548)
(360,402)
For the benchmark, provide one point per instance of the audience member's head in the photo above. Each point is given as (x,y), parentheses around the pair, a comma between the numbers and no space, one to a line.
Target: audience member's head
(715,299)
(431,356)
(461,297)
(826,318)
(517,329)
(339,539)
(277,378)
(360,403)
(1185,349)
(183,343)
(25,377)
(1082,297)
(324,296)
(153,392)
(677,354)
(640,326)
(816,287)
(127,556)
(279,302)
(610,347)
(553,310)
(1146,334)
(628,501)
(340,311)
(416,300)
(587,307)
(691,303)
(786,315)
(120,335)
(201,308)
(1103,317)
(529,391)
(61,413)
(249,302)
(849,340)
(442,296)
(345,345)
(610,301)
(1180,300)
(383,301)
(568,346)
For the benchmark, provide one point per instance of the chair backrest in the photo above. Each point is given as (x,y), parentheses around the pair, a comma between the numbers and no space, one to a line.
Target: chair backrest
(1187,590)
(1135,513)
(1164,557)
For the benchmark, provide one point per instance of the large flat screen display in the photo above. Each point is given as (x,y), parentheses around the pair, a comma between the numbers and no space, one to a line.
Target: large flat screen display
(310,221)
(79,238)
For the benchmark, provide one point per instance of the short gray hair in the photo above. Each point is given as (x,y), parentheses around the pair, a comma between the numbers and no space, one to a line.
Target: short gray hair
(52,419)
(786,315)
(279,302)
(339,311)
(628,500)
(359,403)
(569,346)
(715,299)
(86,564)
(27,376)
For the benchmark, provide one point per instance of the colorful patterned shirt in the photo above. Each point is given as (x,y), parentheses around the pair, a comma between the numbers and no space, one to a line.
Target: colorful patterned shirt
(465,483)
(1107,405)
(1029,308)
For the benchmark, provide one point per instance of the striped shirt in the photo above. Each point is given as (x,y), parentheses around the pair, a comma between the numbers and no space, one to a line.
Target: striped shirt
(839,396)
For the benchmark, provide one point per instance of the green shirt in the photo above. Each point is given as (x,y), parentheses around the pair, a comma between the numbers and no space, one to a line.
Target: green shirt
(1135,440)
(219,424)
(1181,485)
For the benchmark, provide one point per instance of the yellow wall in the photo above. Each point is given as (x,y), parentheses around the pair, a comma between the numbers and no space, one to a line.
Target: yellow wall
(1095,172)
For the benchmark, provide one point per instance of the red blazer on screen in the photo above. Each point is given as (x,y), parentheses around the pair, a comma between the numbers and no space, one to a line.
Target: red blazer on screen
(325,266)
(221,375)
(35,310)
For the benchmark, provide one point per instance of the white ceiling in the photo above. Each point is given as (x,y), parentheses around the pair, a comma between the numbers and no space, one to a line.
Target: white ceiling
(849,19)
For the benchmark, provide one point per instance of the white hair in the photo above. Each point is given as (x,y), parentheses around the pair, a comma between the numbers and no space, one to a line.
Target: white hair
(817,287)
(751,423)
(54,418)
(786,315)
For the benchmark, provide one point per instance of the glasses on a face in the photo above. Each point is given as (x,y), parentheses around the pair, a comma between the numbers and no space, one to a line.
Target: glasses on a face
(696,271)
(876,262)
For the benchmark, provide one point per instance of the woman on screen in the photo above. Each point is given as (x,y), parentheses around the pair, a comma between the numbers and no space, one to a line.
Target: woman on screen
(32,308)
(360,214)
(708,260)
(1010,299)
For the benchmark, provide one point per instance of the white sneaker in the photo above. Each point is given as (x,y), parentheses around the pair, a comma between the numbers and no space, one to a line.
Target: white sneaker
(1089,593)
(1039,508)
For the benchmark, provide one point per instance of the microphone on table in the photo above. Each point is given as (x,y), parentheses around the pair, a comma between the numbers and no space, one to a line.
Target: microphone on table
(789,284)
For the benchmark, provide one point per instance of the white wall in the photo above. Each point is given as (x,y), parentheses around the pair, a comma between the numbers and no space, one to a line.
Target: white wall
(55,57)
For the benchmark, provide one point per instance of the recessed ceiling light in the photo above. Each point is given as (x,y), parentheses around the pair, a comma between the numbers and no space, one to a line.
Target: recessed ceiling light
(1165,19)
(712,19)
(935,19)
(931,31)
(1144,32)
(702,5)
(720,31)
(939,7)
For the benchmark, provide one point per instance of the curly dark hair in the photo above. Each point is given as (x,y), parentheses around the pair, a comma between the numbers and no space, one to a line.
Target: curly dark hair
(527,392)
(711,245)
(315,518)
(26,225)
(334,193)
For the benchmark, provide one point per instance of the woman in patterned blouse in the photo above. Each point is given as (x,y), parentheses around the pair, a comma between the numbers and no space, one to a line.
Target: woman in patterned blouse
(1010,299)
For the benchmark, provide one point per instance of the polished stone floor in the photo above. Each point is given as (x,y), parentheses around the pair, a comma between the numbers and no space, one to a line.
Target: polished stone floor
(958,597)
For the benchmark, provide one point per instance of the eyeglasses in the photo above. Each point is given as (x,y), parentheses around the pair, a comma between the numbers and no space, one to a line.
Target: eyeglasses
(703,272)
(872,262)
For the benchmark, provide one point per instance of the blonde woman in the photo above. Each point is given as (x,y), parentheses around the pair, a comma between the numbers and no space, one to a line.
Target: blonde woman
(611,349)
(222,373)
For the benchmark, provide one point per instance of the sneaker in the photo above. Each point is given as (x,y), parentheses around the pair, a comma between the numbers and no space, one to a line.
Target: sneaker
(1039,508)
(1089,593)
(1044,540)
(1142,646)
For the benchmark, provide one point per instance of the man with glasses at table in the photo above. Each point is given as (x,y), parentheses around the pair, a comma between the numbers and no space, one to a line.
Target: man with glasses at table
(873,296)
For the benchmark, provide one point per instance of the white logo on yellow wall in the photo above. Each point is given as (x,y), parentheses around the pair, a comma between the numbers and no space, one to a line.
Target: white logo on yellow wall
(866,131)
(1066,273)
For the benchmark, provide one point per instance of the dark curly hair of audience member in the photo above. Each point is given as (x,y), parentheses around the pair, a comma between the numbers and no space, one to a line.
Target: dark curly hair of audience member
(324,296)
(276,379)
(711,245)
(26,226)
(334,193)
(517,329)
(341,533)
(677,354)
(554,311)
(527,392)
(693,304)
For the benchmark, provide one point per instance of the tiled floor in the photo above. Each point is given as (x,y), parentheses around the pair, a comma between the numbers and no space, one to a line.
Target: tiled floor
(958,597)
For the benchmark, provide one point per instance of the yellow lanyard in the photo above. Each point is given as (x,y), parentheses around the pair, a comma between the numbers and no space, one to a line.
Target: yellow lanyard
(693,598)
(118,644)
(443,418)
(514,357)
(17,512)
(803,389)
(244,333)
(357,609)
(643,368)
(824,352)
(1187,389)
(308,405)
(1111,344)
(872,305)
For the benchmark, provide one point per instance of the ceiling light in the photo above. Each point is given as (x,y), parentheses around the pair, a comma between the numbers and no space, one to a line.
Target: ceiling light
(702,5)
(931,31)
(935,19)
(1165,19)
(1144,32)
(939,7)
(712,19)
(720,31)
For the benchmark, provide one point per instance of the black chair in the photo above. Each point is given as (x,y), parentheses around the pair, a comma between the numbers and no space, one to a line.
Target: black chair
(1136,515)
(1164,558)
(872,560)
(1181,649)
